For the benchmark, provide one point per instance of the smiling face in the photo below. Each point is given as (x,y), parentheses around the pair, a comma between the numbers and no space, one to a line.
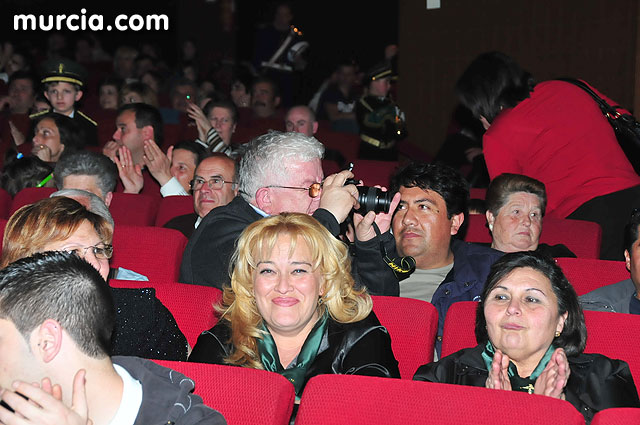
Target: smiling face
(48,136)
(422,229)
(62,97)
(518,224)
(287,288)
(522,316)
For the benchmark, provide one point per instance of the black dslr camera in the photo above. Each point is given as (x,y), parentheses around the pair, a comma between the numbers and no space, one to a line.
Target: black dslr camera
(371,198)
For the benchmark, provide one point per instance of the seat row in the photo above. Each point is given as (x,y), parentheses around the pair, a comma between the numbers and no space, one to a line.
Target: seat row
(411,324)
(582,237)
(249,396)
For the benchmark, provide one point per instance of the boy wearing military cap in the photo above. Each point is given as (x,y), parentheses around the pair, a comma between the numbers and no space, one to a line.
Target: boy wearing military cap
(381,122)
(64,82)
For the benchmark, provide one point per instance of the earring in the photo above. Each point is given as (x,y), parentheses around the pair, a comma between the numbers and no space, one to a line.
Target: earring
(491,227)
(557,334)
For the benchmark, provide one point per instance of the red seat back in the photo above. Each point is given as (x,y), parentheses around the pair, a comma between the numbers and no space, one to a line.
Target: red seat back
(374,172)
(614,335)
(242,395)
(345,143)
(459,327)
(173,206)
(586,275)
(355,400)
(28,196)
(412,325)
(134,209)
(581,237)
(155,252)
(190,305)
(477,193)
(617,416)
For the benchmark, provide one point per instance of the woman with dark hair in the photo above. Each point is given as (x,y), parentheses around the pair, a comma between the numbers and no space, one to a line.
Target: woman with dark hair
(531,336)
(54,134)
(556,133)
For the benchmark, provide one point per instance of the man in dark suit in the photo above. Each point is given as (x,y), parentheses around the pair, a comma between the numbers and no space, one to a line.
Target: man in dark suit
(213,185)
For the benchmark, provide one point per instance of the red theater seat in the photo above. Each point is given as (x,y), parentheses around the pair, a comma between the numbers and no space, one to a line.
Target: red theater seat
(173,206)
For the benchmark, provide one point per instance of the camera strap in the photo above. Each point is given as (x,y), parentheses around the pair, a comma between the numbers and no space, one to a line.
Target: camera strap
(401,268)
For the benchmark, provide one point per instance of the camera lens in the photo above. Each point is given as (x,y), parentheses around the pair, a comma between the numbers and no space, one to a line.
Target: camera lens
(373,199)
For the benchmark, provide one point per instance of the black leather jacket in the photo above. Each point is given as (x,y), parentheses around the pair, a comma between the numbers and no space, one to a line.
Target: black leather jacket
(595,383)
(360,348)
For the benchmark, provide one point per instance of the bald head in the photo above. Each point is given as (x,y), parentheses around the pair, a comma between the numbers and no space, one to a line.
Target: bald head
(301,119)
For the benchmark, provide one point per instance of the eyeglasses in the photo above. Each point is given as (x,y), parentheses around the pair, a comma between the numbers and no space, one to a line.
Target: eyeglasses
(214,183)
(102,252)
(314,190)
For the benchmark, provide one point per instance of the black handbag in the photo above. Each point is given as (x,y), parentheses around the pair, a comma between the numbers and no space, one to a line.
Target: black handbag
(625,126)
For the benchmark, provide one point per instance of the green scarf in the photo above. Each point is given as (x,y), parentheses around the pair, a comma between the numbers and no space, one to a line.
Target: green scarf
(271,361)
(518,383)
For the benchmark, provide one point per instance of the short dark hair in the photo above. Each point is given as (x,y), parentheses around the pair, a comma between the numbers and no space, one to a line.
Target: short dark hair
(222,103)
(491,82)
(146,115)
(631,230)
(24,75)
(507,184)
(440,178)
(63,287)
(268,80)
(72,136)
(574,334)
(195,148)
(88,163)
(111,80)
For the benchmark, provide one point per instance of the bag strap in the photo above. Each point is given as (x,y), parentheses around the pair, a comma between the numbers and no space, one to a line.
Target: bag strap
(608,110)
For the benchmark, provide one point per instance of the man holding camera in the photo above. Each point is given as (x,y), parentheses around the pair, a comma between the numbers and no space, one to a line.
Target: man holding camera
(282,172)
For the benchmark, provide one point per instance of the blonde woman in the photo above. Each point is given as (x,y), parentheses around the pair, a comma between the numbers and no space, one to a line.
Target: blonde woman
(292,307)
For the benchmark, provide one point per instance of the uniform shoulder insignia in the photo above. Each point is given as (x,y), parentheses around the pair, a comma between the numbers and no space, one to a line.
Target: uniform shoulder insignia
(87,118)
(37,114)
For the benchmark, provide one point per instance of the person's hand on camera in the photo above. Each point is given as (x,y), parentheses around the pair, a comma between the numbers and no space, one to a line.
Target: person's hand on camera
(202,123)
(337,198)
(364,225)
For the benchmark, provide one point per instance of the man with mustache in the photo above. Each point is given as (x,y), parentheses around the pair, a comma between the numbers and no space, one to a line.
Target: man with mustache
(433,204)
(265,98)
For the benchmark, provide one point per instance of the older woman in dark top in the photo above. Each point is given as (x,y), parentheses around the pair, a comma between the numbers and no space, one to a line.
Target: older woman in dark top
(531,334)
(515,208)
(144,327)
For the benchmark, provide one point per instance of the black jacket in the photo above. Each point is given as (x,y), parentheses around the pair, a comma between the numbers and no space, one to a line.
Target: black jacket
(206,258)
(144,327)
(360,348)
(595,383)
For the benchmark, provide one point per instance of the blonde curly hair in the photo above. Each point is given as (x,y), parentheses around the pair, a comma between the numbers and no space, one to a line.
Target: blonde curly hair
(343,302)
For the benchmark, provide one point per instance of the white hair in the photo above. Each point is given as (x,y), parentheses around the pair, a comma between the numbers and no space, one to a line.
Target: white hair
(266,157)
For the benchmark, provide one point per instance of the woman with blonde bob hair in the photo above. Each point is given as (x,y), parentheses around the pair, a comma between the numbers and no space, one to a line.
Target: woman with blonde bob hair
(292,307)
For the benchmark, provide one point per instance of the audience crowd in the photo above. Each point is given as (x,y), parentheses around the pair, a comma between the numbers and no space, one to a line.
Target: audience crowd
(275,218)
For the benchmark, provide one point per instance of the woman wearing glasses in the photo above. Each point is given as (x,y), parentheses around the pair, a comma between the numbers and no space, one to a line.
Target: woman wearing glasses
(63,224)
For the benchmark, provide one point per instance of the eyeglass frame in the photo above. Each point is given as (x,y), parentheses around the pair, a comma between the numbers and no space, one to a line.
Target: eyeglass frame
(314,190)
(107,250)
(208,182)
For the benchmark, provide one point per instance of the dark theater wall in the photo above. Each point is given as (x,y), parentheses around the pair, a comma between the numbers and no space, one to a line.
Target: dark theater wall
(590,39)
